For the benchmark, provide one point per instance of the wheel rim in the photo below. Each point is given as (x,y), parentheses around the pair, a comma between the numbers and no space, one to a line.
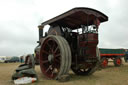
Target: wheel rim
(104,63)
(50,58)
(118,61)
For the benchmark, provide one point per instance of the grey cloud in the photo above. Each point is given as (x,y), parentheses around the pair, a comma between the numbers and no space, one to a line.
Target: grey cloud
(19,20)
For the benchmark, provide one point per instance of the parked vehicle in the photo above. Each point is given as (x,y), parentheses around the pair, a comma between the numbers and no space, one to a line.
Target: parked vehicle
(2,59)
(126,56)
(13,59)
(71,42)
(114,54)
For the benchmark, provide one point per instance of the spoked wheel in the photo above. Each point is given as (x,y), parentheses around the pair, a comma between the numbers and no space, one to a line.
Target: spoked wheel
(117,61)
(104,62)
(88,71)
(55,57)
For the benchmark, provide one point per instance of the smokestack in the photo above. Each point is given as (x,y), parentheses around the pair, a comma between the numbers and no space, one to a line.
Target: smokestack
(40,31)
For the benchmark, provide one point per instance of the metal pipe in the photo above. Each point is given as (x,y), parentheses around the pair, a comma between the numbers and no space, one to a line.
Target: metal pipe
(40,31)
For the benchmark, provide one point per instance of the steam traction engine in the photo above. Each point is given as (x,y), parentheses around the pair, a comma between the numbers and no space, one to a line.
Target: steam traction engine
(71,42)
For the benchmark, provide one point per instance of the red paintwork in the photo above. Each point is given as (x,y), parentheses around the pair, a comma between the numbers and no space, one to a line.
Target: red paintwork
(118,61)
(104,63)
(111,54)
(90,43)
(45,64)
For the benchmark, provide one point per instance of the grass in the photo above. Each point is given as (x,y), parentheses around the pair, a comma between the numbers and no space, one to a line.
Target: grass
(108,76)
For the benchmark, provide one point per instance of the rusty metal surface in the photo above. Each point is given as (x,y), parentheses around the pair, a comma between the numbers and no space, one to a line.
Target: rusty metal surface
(76,17)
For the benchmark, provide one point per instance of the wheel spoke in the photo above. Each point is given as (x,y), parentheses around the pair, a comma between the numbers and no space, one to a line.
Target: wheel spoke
(57,60)
(56,49)
(46,61)
(48,45)
(53,69)
(53,44)
(52,74)
(45,52)
(48,68)
(57,55)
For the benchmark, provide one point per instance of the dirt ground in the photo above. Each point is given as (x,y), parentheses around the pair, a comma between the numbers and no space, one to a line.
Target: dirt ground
(108,76)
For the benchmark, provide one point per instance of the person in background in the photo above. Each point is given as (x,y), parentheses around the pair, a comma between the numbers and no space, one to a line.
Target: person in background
(21,59)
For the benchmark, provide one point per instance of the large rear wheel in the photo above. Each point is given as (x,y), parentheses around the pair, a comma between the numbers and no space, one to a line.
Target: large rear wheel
(55,57)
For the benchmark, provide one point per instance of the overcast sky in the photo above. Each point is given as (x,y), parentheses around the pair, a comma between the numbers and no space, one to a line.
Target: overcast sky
(19,20)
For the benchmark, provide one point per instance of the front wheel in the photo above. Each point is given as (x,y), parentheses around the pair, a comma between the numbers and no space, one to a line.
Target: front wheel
(55,57)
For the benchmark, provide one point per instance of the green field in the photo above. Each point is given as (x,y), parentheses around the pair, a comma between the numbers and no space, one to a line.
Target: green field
(108,76)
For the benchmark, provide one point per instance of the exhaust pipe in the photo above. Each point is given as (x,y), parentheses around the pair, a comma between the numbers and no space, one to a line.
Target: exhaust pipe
(40,31)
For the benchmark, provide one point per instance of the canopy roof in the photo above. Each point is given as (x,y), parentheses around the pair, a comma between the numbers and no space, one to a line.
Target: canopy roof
(76,17)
